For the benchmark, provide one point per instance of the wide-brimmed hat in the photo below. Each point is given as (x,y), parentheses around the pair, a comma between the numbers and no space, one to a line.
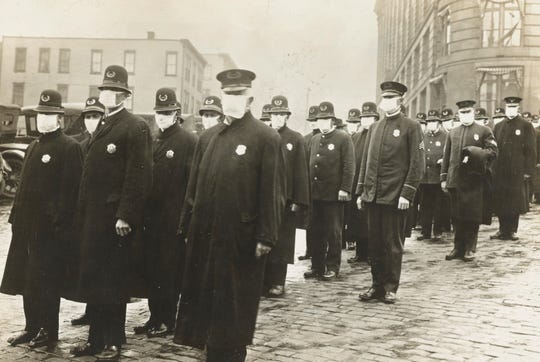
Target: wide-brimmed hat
(50,101)
(115,77)
(93,104)
(166,100)
(279,104)
(326,110)
(211,103)
(354,115)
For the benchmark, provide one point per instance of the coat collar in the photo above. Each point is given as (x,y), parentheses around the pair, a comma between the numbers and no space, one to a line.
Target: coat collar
(107,124)
(50,136)
(169,131)
(239,123)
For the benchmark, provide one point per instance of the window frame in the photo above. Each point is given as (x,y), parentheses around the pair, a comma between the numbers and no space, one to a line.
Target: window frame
(92,52)
(126,52)
(41,59)
(23,68)
(60,52)
(167,53)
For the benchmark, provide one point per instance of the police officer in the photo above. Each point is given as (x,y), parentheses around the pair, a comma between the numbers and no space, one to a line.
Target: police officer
(265,115)
(357,228)
(421,118)
(498,116)
(415,213)
(41,220)
(513,168)
(447,119)
(536,181)
(331,166)
(527,116)
(297,194)
(238,199)
(312,121)
(468,153)
(211,112)
(389,176)
(481,118)
(115,183)
(430,186)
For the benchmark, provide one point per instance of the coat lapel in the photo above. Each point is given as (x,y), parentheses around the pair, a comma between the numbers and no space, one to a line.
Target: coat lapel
(110,122)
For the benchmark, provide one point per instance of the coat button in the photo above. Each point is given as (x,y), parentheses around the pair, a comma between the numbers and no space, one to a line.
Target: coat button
(315,178)
(316,166)
(318,155)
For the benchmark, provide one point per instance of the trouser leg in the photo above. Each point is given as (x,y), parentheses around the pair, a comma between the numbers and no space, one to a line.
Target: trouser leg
(50,310)
(31,314)
(438,220)
(96,333)
(393,236)
(276,273)
(114,324)
(375,246)
(470,231)
(459,236)
(319,242)
(427,207)
(154,306)
(514,223)
(333,234)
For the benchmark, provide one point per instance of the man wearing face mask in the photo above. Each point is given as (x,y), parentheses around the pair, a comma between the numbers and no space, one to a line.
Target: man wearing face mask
(331,170)
(513,169)
(115,183)
(164,254)
(447,118)
(421,118)
(469,151)
(265,115)
(432,194)
(414,215)
(390,173)
(297,192)
(498,116)
(481,118)
(211,112)
(237,202)
(42,220)
(357,229)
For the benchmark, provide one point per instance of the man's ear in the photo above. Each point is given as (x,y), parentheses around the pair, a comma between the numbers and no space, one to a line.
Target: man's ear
(250,100)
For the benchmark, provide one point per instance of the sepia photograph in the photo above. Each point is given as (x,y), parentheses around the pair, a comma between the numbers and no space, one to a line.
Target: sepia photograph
(270,180)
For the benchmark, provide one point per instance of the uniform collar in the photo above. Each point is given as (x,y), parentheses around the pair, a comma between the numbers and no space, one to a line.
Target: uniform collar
(116,111)
(237,123)
(168,131)
(394,115)
(51,135)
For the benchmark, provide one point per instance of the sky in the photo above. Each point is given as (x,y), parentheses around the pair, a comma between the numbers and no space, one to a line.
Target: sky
(308,50)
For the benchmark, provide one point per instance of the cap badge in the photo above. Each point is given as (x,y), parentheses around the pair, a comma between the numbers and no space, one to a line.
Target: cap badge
(366,108)
(324,108)
(111,148)
(163,97)
(331,146)
(110,74)
(241,150)
(476,137)
(278,102)
(438,143)
(170,154)
(518,132)
(91,102)
(234,74)
(46,158)
(477,111)
(45,98)
(209,101)
(396,133)
(445,113)
(352,114)
(289,146)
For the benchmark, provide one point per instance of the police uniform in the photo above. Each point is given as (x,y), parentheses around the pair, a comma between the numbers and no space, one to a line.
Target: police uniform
(430,186)
(536,181)
(414,215)
(331,169)
(468,153)
(42,224)
(480,115)
(265,115)
(297,193)
(392,167)
(517,158)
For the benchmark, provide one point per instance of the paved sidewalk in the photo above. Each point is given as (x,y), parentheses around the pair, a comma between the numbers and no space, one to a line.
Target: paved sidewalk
(447,310)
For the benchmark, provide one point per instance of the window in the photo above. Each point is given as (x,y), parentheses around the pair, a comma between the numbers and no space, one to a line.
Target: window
(129,102)
(501,23)
(18,94)
(63,61)
(497,83)
(63,90)
(185,102)
(446,32)
(192,105)
(422,106)
(416,64)
(44,57)
(193,79)
(96,58)
(20,60)
(199,79)
(425,53)
(410,77)
(129,61)
(187,70)
(170,63)
(93,91)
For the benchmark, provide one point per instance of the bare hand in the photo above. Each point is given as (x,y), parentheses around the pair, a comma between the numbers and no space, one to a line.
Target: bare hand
(359,203)
(122,228)
(403,203)
(443,186)
(261,250)
(343,196)
(439,161)
(294,208)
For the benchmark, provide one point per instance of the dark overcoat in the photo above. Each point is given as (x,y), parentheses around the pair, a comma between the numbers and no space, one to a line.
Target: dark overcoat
(357,219)
(536,181)
(516,139)
(116,180)
(165,251)
(42,216)
(237,201)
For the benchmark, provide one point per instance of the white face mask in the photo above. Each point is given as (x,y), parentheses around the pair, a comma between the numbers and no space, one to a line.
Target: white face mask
(511,112)
(367,121)
(352,127)
(448,125)
(432,126)
(314,125)
(164,121)
(47,123)
(466,118)
(324,124)
(389,105)
(480,122)
(91,122)
(278,120)
(234,105)
(209,121)
(268,123)
(497,120)
(110,98)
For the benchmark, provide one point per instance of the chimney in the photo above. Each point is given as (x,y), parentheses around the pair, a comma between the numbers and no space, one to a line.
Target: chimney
(150,35)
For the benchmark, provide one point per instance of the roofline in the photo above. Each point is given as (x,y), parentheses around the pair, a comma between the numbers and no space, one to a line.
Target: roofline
(225,55)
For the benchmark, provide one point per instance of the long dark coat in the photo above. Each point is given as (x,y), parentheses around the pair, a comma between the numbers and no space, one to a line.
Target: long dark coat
(517,156)
(117,176)
(297,191)
(42,216)
(536,180)
(357,219)
(237,201)
(165,251)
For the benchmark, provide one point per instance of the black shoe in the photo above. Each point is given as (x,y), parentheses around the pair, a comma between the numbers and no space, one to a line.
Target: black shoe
(144,328)
(43,338)
(160,331)
(469,256)
(110,353)
(422,237)
(311,274)
(354,260)
(513,237)
(497,236)
(351,245)
(389,297)
(23,337)
(437,237)
(81,321)
(304,257)
(329,276)
(371,294)
(454,254)
(84,349)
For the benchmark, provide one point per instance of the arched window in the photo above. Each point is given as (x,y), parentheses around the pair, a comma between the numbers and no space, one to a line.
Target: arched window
(501,23)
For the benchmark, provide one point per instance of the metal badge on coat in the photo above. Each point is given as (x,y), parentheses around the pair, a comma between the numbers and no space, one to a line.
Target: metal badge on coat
(241,150)
(476,137)
(289,146)
(438,143)
(396,133)
(518,132)
(331,146)
(111,148)
(170,154)
(46,158)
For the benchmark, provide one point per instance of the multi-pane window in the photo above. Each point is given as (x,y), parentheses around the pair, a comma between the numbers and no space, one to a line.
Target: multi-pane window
(96,59)
(20,60)
(129,61)
(44,59)
(497,83)
(63,90)
(425,52)
(171,63)
(501,23)
(185,101)
(18,94)
(446,32)
(63,60)
(187,70)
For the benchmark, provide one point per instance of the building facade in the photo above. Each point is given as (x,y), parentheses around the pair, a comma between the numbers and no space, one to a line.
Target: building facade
(216,62)
(75,66)
(450,50)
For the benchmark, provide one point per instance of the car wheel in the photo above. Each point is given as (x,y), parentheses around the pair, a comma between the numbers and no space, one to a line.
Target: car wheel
(13,178)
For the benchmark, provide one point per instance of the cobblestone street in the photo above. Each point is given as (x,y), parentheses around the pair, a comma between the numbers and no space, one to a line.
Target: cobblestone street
(446,310)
